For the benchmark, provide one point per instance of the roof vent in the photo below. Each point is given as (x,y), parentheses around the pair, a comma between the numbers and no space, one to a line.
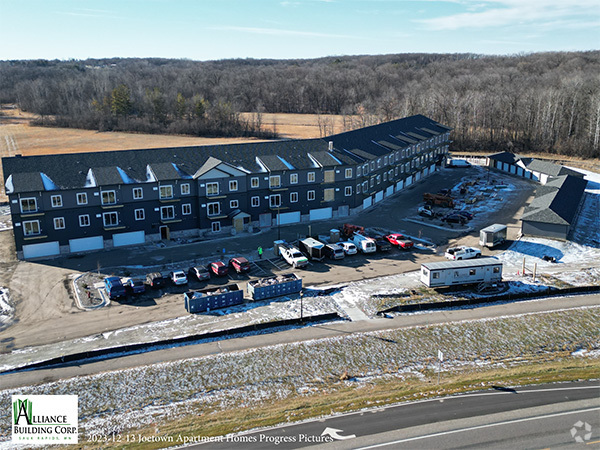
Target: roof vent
(330,145)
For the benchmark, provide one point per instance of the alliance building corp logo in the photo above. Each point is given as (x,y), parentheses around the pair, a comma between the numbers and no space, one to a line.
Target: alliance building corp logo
(44,419)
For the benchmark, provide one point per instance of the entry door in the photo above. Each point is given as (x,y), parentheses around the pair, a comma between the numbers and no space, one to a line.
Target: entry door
(165,232)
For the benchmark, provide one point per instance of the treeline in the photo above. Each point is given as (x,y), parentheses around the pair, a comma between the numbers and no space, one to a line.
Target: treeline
(541,102)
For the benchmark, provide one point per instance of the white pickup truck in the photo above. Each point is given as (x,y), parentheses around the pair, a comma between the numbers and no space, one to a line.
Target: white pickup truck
(293,256)
(462,252)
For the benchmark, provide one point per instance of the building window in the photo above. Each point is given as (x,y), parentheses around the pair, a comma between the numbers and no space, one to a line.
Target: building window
(385,174)
(109,197)
(110,219)
(212,189)
(31,227)
(358,188)
(233,185)
(254,182)
(348,173)
(372,181)
(28,205)
(59,223)
(82,198)
(275,201)
(396,171)
(186,209)
(138,193)
(84,220)
(378,179)
(372,165)
(310,195)
(213,209)
(348,191)
(56,201)
(293,178)
(167,213)
(365,187)
(185,189)
(435,275)
(293,197)
(329,176)
(274,181)
(358,171)
(496,269)
(215,227)
(385,160)
(366,169)
(311,177)
(139,214)
(329,195)
(234,204)
(472,272)
(166,192)
(255,202)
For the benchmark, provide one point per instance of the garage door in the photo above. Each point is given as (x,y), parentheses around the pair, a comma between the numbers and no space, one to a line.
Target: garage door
(41,250)
(408,181)
(389,191)
(367,202)
(378,196)
(132,238)
(86,244)
(425,172)
(321,213)
(431,168)
(399,185)
(289,217)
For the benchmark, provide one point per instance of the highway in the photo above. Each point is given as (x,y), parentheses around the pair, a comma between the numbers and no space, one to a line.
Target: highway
(545,416)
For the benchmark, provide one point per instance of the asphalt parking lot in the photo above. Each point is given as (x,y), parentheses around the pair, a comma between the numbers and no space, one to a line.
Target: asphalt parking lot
(46,310)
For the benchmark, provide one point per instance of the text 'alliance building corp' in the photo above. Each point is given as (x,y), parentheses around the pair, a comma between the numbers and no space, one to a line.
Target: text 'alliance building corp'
(78,202)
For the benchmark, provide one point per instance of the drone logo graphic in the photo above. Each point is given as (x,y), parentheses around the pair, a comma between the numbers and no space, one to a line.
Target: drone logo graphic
(577,430)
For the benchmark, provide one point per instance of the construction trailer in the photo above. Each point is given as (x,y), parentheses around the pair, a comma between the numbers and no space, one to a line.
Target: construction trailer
(213,298)
(492,235)
(456,273)
(275,286)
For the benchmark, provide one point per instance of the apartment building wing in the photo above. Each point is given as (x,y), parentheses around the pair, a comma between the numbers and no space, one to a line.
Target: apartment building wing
(88,201)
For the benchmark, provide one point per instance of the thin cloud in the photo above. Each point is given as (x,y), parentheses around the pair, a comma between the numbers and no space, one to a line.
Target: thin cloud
(513,12)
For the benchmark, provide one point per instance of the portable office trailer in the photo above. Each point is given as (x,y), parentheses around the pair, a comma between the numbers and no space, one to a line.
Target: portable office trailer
(274,286)
(492,235)
(312,248)
(456,273)
(214,298)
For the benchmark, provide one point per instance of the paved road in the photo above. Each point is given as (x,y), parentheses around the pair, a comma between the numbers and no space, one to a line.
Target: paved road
(528,417)
(296,335)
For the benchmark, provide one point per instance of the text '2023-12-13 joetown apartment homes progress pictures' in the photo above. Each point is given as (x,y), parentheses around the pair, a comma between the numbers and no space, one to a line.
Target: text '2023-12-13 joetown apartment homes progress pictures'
(79,202)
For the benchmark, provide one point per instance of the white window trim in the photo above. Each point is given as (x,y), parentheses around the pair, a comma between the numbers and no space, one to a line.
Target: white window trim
(29,210)
(255,202)
(187,190)
(254,182)
(311,175)
(110,214)
(84,196)
(293,178)
(310,194)
(59,219)
(27,222)
(167,208)
(84,218)
(57,199)
(215,227)
(137,189)
(186,207)
(108,194)
(143,215)
(160,191)
(212,185)
(293,195)
(234,204)
(348,173)
(272,179)
(208,207)
(278,203)
(233,183)
(348,191)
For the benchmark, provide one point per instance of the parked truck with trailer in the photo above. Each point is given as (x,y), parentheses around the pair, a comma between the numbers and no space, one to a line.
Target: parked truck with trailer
(457,273)
(313,249)
(492,235)
(274,286)
(292,255)
(214,298)
(363,243)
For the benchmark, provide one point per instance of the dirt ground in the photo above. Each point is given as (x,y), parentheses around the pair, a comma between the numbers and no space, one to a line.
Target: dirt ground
(45,310)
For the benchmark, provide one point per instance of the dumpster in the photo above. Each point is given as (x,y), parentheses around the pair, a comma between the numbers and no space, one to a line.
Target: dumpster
(213,298)
(275,286)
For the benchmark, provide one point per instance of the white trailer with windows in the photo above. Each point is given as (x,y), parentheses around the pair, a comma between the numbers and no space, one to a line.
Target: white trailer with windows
(456,273)
(492,235)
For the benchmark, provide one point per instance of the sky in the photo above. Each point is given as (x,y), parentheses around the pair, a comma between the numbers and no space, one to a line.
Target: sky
(284,29)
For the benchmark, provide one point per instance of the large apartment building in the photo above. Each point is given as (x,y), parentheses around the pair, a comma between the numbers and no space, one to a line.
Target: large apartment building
(80,202)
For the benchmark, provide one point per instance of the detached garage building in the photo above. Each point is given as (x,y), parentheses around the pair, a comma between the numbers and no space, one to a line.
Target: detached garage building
(554,208)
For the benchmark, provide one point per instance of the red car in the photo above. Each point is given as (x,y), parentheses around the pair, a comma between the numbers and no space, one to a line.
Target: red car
(399,240)
(218,268)
(240,264)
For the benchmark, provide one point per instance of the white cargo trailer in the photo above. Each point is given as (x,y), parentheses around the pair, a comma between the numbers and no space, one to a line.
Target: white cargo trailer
(456,273)
(492,235)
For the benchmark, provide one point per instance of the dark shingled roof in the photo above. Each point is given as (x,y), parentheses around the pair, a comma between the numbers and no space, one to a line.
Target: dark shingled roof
(505,157)
(68,171)
(557,201)
(549,168)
